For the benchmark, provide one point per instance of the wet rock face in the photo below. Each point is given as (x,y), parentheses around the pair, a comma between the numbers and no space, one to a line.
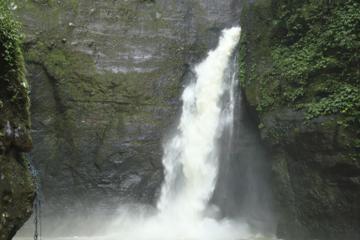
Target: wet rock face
(106,77)
(17,190)
(315,159)
(16,193)
(316,177)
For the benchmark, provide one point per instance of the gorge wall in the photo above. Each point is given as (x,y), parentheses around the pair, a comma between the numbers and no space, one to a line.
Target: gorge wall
(17,190)
(300,74)
(106,77)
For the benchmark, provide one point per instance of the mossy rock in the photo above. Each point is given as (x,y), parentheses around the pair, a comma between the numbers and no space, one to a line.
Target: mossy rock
(300,73)
(17,190)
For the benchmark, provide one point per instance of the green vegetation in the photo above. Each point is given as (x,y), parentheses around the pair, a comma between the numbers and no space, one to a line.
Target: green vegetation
(13,85)
(300,70)
(16,185)
(315,55)
(9,35)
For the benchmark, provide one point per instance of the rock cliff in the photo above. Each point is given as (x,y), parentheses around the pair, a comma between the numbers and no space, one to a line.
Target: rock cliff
(17,190)
(300,74)
(106,77)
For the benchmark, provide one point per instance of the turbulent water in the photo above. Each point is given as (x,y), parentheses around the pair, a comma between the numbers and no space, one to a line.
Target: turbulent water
(191,157)
(191,163)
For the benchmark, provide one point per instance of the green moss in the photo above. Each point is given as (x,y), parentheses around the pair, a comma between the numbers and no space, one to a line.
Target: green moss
(76,78)
(50,13)
(10,36)
(16,186)
(315,60)
(299,64)
(13,85)
(128,12)
(242,60)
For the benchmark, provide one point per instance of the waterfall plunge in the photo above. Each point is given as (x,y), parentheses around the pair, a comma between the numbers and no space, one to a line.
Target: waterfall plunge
(191,156)
(191,161)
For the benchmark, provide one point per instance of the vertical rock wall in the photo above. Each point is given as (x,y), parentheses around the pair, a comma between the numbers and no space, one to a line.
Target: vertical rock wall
(300,73)
(106,77)
(17,189)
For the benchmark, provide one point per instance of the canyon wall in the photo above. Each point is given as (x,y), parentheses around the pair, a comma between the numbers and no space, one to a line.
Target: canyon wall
(17,189)
(106,77)
(299,69)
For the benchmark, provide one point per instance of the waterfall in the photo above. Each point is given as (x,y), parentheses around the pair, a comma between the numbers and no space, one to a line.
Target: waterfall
(191,160)
(191,156)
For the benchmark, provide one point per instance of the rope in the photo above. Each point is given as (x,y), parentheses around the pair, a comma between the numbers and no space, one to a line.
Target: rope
(37,202)
(37,219)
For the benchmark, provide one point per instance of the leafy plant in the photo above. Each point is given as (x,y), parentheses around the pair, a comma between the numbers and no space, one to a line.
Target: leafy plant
(13,85)
(10,36)
(315,52)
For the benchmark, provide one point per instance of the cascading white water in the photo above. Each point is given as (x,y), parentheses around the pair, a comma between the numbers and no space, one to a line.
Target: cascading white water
(191,156)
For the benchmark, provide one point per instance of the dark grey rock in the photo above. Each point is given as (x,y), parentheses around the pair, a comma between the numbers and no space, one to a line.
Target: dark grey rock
(103,100)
